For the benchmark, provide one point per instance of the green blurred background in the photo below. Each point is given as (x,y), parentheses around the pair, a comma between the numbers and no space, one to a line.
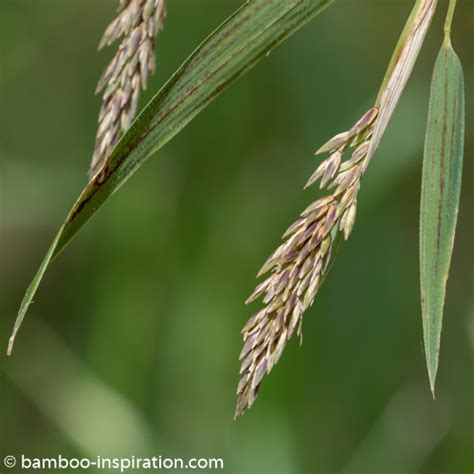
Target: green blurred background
(131,346)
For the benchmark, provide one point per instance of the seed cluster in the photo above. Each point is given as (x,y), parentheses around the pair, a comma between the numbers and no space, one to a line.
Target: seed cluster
(300,264)
(137,24)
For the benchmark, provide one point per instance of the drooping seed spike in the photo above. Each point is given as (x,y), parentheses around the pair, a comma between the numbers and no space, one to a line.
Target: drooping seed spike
(127,73)
(300,264)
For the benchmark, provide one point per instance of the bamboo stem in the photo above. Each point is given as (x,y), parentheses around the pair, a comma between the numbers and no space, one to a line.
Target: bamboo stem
(400,68)
(410,25)
(449,19)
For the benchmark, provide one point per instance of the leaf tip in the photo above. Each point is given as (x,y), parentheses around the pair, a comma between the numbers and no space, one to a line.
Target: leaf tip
(432,371)
(432,387)
(16,327)
(11,343)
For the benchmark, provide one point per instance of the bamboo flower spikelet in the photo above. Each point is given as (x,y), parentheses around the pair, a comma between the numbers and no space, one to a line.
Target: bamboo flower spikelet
(300,264)
(137,24)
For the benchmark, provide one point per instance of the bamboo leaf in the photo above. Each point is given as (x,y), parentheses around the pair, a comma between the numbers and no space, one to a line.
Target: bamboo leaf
(229,52)
(441,187)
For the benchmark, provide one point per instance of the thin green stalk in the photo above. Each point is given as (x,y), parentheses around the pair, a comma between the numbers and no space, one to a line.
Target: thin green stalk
(449,20)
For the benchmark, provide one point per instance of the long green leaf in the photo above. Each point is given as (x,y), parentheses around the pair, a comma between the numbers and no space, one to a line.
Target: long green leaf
(441,187)
(229,52)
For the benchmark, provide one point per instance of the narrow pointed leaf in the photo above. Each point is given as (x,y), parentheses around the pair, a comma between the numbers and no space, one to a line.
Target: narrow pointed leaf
(229,52)
(441,187)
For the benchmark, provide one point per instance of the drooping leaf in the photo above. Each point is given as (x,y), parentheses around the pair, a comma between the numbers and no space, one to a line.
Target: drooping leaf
(229,52)
(441,187)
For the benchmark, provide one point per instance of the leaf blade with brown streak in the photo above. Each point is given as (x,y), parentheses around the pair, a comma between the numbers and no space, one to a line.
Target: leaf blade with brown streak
(441,188)
(228,53)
